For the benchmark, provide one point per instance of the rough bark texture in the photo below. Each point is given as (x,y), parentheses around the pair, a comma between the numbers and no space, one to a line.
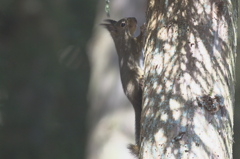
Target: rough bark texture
(189,77)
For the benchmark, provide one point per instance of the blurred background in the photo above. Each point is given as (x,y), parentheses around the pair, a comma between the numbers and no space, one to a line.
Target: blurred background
(60,91)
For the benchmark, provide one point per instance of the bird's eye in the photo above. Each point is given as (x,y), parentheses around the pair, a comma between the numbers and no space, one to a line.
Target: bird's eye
(123,24)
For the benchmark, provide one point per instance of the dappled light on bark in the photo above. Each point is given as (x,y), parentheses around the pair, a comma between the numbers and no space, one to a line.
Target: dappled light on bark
(189,55)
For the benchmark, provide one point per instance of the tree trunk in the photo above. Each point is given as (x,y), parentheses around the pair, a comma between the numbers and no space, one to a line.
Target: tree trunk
(189,74)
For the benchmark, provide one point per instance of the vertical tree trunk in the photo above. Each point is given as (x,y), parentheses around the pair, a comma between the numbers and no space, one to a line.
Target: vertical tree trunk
(189,74)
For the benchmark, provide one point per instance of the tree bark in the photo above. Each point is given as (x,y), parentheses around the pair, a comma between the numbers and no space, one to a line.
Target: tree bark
(189,74)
